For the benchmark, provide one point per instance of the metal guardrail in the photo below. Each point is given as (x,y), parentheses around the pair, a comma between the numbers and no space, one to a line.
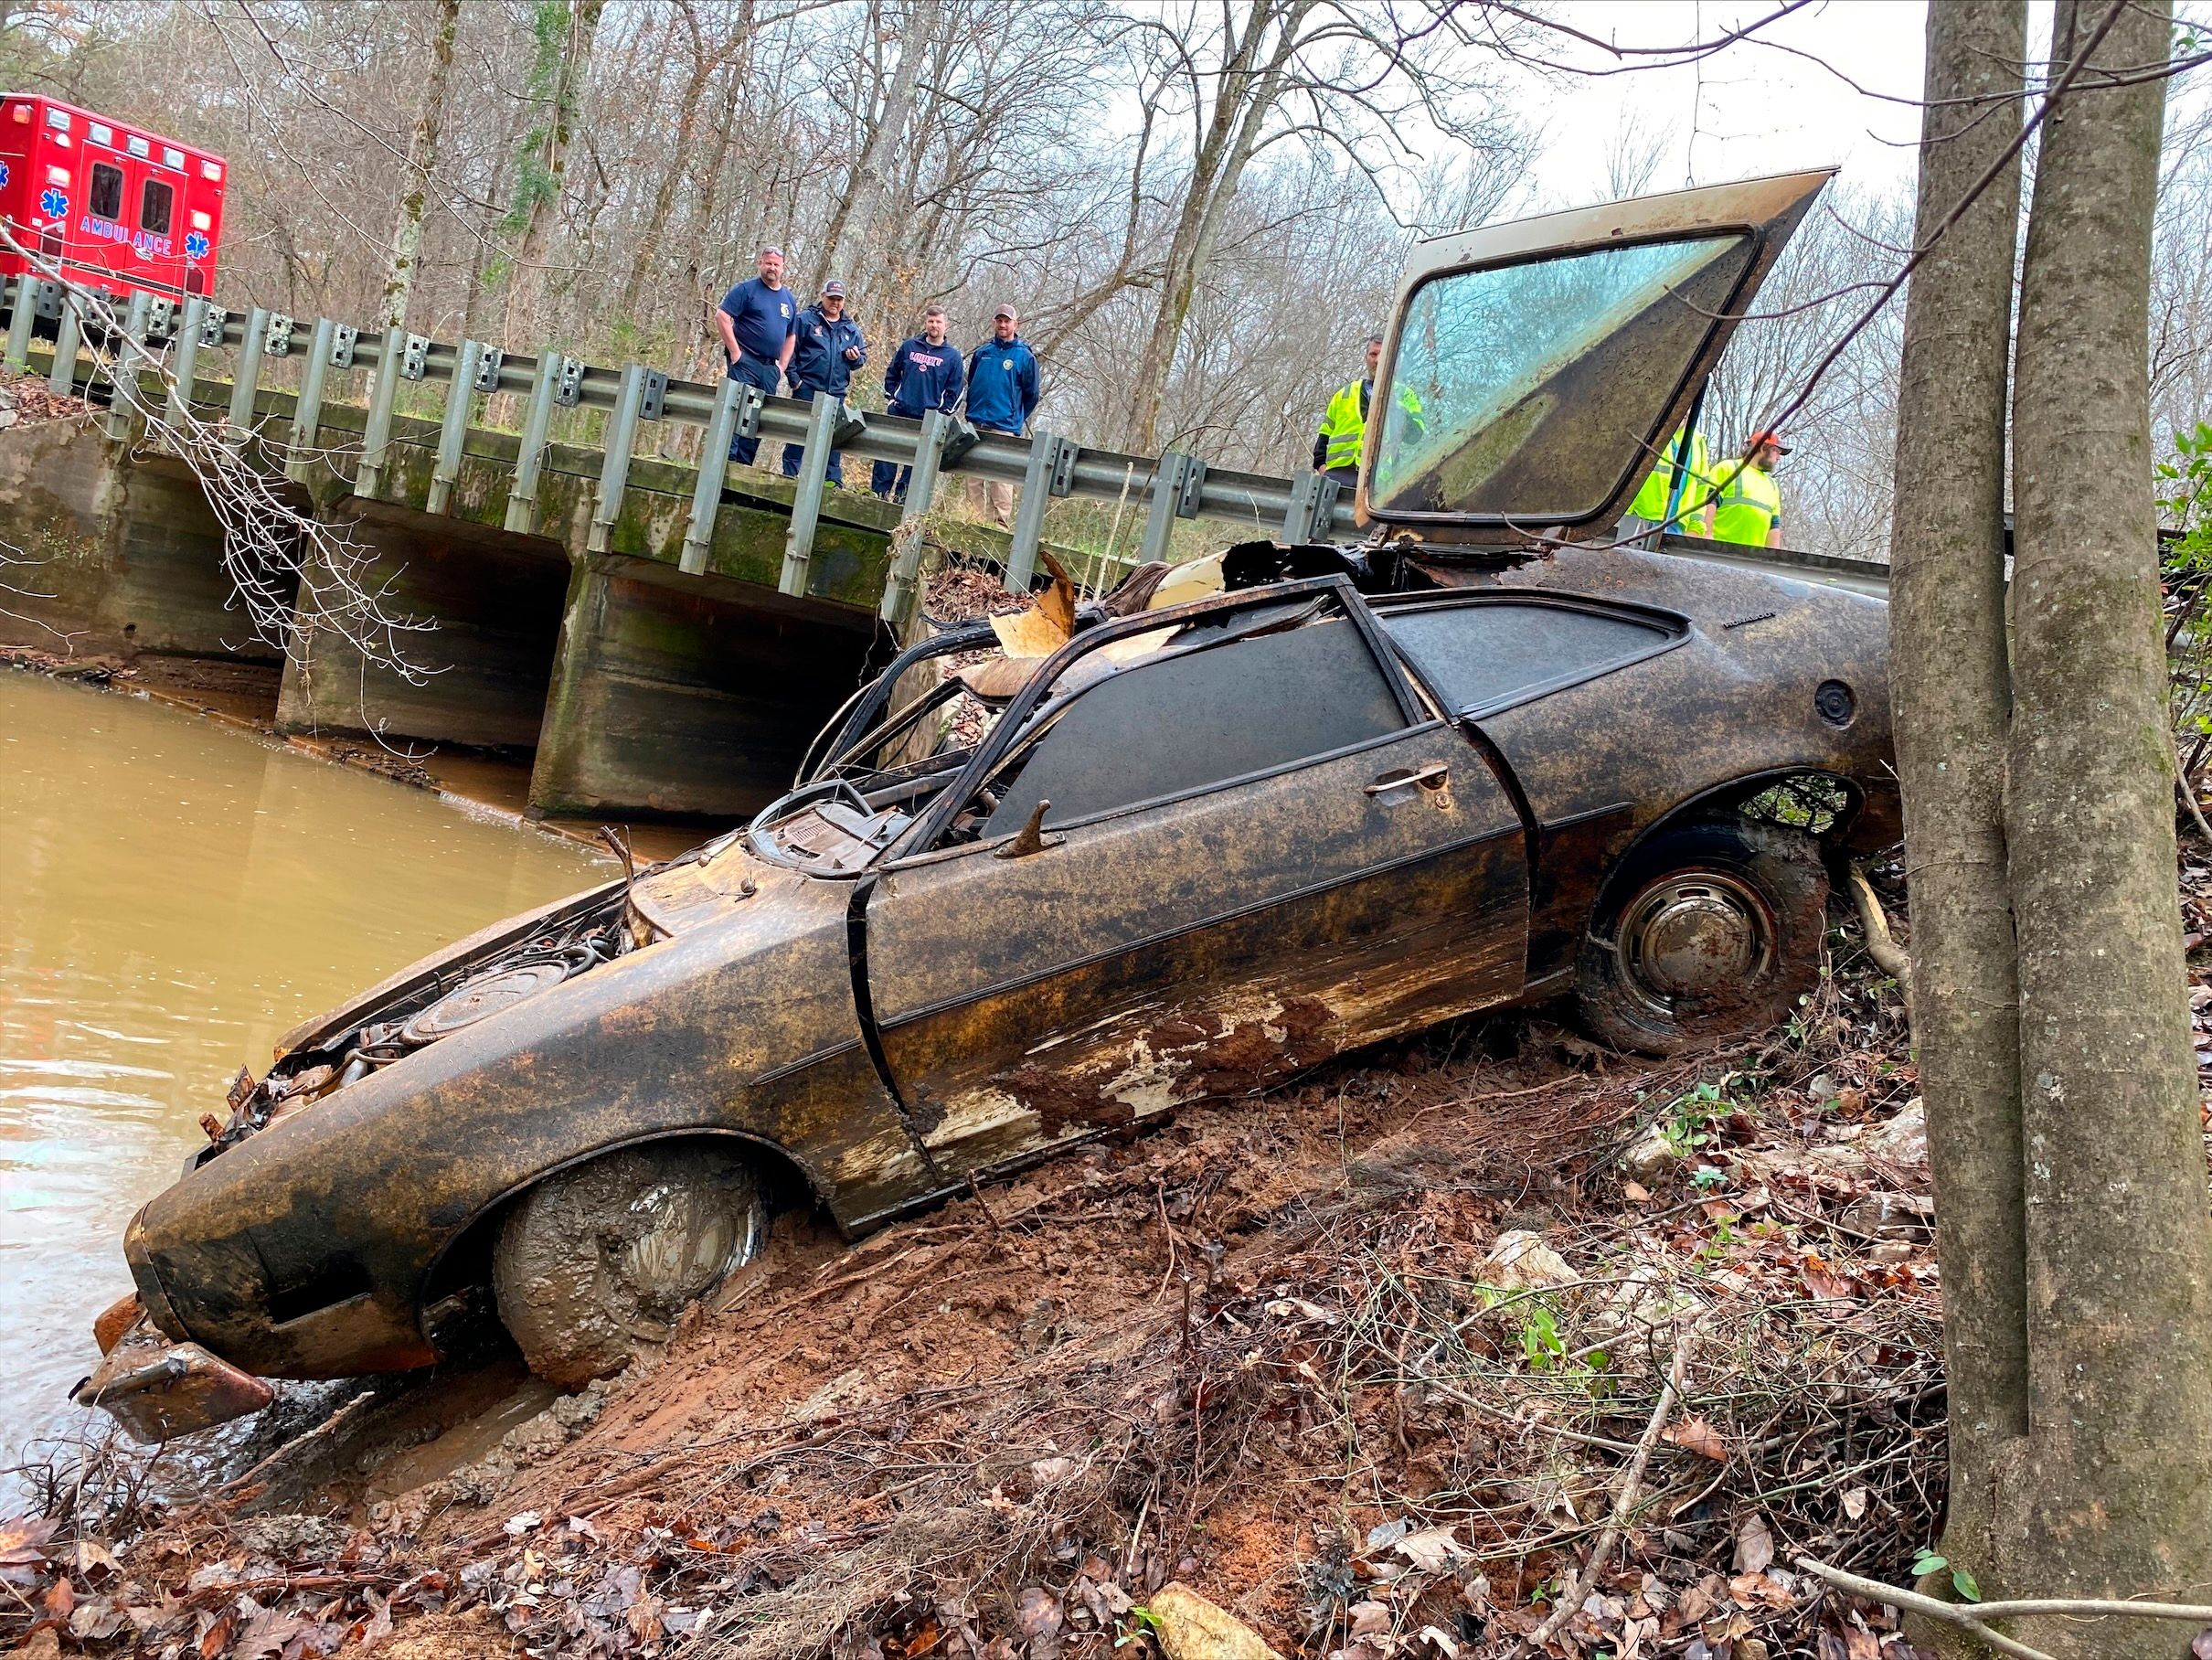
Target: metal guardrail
(1869,577)
(1305,506)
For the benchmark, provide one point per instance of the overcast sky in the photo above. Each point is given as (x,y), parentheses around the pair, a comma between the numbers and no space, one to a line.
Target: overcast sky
(1755,108)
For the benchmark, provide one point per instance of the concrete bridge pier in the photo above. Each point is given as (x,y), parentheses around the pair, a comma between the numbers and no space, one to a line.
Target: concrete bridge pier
(495,601)
(685,695)
(105,554)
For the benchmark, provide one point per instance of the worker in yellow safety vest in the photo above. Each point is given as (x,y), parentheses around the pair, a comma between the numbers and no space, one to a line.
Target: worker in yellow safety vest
(1747,509)
(1344,424)
(1691,515)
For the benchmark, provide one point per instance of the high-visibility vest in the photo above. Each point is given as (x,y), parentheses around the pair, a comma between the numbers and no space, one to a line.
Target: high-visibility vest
(1748,504)
(1697,483)
(1344,424)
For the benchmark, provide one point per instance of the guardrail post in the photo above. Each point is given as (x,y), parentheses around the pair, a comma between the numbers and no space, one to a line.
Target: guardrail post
(1038,481)
(307,414)
(530,460)
(61,378)
(806,506)
(921,489)
(120,406)
(453,431)
(19,319)
(1313,505)
(376,433)
(714,467)
(614,473)
(247,382)
(1176,483)
(184,368)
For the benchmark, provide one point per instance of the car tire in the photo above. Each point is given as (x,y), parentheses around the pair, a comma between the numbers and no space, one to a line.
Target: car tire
(1705,931)
(600,1258)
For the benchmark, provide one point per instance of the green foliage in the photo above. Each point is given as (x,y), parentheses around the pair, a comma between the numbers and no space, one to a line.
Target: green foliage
(2184,504)
(1927,1562)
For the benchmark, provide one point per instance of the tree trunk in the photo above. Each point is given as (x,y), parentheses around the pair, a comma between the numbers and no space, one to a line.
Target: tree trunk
(2119,1244)
(421,159)
(852,233)
(1951,700)
(1244,96)
(680,157)
(564,65)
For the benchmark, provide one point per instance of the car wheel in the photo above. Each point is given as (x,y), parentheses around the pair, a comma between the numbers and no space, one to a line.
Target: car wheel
(1707,930)
(597,1259)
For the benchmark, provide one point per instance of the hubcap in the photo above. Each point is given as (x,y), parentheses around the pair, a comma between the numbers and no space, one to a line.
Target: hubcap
(1695,936)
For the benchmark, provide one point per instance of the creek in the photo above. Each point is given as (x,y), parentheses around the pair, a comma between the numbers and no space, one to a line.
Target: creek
(176,894)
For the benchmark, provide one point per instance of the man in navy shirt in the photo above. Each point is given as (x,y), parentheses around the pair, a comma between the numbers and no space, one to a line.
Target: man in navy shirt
(828,349)
(1002,391)
(925,374)
(758,321)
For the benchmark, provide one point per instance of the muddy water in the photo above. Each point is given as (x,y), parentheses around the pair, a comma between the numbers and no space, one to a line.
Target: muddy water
(174,895)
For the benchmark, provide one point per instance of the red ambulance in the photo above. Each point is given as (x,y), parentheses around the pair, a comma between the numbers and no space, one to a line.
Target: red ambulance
(122,209)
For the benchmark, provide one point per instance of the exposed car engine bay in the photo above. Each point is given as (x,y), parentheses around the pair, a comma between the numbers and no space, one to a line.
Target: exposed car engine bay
(456,997)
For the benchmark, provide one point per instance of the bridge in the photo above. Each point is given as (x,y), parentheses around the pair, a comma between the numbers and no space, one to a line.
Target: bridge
(655,631)
(658,630)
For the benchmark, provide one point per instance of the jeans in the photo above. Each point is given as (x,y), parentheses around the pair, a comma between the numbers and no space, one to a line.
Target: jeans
(767,376)
(794,456)
(887,478)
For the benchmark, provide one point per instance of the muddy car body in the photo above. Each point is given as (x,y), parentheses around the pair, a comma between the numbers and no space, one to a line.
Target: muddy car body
(1198,850)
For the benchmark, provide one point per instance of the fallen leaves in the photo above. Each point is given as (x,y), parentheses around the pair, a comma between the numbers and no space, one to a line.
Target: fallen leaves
(1697,1434)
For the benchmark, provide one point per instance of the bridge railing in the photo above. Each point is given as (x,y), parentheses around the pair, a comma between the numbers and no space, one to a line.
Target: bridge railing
(1046,466)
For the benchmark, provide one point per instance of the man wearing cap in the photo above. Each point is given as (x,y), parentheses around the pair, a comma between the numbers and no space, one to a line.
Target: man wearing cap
(1002,391)
(1747,507)
(925,373)
(828,349)
(759,320)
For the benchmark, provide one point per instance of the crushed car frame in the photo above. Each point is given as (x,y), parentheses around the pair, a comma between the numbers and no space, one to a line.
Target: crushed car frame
(1179,853)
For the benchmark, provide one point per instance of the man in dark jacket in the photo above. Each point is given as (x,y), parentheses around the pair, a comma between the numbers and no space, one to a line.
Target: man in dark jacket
(925,373)
(828,350)
(1001,392)
(758,321)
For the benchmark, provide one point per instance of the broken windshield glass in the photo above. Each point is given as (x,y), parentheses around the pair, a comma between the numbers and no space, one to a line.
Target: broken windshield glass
(1533,391)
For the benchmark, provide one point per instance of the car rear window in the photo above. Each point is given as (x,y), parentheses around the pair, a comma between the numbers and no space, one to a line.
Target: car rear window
(1479,655)
(1193,719)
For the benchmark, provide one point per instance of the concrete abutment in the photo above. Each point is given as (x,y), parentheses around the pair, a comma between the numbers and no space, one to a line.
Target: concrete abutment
(633,687)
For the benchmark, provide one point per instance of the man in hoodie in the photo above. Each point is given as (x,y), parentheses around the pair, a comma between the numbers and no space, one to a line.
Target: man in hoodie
(759,320)
(827,350)
(925,373)
(1002,391)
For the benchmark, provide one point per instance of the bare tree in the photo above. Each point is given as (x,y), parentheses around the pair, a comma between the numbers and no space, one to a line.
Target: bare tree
(1952,695)
(421,162)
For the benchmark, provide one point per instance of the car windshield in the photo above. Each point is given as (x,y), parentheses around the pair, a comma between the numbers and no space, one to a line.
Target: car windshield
(1534,390)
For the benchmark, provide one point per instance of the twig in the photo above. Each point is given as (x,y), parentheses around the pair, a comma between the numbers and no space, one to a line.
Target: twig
(990,1216)
(1971,1615)
(321,1429)
(1624,1503)
(2187,792)
(1881,945)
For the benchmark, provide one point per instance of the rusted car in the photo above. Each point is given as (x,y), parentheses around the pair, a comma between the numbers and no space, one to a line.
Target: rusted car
(1484,760)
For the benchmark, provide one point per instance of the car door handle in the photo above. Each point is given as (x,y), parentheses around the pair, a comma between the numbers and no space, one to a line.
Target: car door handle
(1433,776)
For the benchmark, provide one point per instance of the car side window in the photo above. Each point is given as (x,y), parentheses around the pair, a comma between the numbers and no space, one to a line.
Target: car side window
(1480,655)
(1191,719)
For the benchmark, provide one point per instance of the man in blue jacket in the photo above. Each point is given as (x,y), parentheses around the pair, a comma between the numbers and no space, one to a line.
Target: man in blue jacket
(925,373)
(829,348)
(759,320)
(1002,391)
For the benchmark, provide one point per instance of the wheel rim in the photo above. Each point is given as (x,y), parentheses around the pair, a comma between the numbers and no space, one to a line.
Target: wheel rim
(691,1235)
(1695,937)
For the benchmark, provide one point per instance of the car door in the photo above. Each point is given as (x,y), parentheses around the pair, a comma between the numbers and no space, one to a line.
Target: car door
(1259,849)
